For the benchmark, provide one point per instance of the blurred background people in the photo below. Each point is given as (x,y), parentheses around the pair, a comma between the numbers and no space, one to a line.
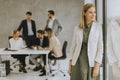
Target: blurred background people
(17,43)
(54,46)
(53,23)
(28,28)
(41,43)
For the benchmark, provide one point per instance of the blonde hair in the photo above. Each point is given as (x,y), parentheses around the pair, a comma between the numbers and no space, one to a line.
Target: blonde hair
(14,32)
(82,17)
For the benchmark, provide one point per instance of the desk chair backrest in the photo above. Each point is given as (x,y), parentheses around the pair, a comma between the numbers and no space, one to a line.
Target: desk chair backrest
(9,37)
(64,49)
(61,58)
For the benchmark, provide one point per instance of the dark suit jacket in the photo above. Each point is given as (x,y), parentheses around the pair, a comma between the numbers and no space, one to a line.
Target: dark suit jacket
(24,26)
(45,42)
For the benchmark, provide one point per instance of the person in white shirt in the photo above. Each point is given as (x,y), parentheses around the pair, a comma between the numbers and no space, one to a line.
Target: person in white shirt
(17,43)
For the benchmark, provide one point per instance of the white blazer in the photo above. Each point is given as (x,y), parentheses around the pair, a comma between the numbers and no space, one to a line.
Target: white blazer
(95,44)
(113,42)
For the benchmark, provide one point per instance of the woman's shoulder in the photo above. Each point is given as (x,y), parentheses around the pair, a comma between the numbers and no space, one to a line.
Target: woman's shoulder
(19,39)
(97,23)
(76,27)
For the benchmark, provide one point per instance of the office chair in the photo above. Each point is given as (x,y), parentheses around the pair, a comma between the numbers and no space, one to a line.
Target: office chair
(60,58)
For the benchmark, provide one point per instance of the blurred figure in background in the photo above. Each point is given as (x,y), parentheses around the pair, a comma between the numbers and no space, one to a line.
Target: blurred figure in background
(53,23)
(17,43)
(41,43)
(54,44)
(28,28)
(54,47)
(113,48)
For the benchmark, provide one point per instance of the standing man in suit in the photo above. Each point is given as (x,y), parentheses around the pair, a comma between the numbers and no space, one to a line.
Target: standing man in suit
(28,27)
(41,43)
(53,23)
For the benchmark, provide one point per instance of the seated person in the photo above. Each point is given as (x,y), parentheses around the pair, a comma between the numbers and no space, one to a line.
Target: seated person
(41,42)
(54,46)
(17,43)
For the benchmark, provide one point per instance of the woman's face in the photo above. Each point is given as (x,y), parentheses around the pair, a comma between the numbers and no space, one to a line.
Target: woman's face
(90,15)
(17,34)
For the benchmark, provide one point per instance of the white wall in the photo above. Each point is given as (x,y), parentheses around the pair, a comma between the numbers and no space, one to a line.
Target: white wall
(99,11)
(89,1)
(113,8)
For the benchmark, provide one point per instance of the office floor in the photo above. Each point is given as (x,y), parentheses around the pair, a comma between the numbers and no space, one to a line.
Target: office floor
(31,75)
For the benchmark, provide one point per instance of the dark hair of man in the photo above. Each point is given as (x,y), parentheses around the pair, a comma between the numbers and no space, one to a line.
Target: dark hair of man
(49,30)
(30,13)
(51,12)
(40,31)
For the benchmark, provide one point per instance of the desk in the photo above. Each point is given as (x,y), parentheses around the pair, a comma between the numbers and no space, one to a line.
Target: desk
(28,51)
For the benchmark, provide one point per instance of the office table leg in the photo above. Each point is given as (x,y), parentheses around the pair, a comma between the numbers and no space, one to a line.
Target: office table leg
(47,72)
(0,59)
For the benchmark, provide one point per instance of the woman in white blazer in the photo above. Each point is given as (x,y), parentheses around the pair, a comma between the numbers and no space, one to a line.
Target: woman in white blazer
(87,47)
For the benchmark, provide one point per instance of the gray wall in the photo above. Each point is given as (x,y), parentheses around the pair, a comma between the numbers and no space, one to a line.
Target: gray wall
(13,11)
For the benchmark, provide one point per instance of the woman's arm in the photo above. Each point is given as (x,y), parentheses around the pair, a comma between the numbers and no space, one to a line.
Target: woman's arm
(99,54)
(72,49)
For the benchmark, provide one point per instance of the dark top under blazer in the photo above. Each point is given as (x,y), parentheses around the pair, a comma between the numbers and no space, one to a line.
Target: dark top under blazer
(45,42)
(24,26)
